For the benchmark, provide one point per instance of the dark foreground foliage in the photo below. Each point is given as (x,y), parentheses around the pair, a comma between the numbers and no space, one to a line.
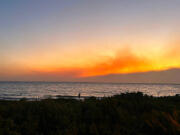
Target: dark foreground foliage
(125,114)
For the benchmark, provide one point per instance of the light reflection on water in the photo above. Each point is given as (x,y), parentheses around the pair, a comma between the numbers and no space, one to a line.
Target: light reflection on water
(44,89)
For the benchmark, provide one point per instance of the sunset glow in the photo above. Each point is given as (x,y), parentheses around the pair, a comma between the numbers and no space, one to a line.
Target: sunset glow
(83,39)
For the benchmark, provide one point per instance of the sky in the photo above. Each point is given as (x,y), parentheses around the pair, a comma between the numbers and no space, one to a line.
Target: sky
(64,40)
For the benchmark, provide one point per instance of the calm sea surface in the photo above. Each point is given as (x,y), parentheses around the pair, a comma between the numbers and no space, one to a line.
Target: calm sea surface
(31,90)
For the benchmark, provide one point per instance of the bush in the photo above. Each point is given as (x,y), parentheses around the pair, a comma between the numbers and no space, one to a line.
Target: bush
(125,114)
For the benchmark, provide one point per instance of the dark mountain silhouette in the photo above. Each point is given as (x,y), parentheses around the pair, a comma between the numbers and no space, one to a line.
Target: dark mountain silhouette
(166,76)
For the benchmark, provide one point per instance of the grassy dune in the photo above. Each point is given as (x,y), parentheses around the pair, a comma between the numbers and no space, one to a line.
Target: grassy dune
(125,114)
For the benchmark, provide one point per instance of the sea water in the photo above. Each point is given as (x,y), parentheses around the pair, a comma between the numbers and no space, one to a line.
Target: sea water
(40,90)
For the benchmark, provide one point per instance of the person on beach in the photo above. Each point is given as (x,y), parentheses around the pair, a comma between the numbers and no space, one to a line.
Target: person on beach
(79,95)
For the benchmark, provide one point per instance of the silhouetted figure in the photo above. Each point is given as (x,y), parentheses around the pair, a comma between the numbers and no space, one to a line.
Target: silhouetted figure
(79,95)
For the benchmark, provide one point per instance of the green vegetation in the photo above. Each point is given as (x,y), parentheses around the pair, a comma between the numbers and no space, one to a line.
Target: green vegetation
(125,114)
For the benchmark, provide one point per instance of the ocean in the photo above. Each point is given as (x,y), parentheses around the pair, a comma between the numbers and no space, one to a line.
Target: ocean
(41,90)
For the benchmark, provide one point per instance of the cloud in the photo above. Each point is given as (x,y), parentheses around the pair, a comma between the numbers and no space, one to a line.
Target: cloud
(123,62)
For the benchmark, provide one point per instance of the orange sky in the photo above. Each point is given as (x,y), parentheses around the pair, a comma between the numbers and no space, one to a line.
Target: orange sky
(85,62)
(122,61)
(89,38)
